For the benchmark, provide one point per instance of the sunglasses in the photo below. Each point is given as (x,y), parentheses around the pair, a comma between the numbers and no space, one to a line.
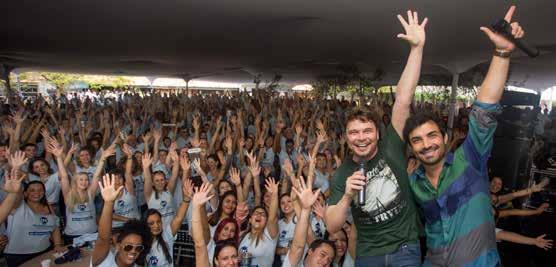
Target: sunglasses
(136,248)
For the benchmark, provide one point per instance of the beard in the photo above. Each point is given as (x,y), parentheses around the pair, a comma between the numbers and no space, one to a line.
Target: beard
(438,153)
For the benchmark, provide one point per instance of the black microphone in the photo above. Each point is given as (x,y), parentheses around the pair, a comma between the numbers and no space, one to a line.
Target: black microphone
(361,194)
(504,28)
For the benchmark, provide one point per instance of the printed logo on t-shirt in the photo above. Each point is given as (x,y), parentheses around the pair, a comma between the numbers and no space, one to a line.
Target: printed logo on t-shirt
(163,203)
(243,249)
(153,260)
(44,220)
(82,207)
(120,203)
(383,198)
(283,234)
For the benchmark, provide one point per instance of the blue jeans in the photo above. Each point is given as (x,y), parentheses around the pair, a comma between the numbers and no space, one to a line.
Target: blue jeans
(408,255)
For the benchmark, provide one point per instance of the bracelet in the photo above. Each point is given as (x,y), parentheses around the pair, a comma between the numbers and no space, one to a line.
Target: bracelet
(502,54)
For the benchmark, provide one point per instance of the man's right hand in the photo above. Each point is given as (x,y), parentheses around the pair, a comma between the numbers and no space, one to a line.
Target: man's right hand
(355,183)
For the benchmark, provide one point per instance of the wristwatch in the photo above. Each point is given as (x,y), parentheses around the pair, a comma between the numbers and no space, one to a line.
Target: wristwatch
(502,54)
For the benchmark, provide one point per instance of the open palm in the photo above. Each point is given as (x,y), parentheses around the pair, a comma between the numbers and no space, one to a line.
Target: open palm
(414,32)
(108,188)
(306,196)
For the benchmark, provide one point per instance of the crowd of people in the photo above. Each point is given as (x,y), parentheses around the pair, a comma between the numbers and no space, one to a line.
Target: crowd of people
(259,179)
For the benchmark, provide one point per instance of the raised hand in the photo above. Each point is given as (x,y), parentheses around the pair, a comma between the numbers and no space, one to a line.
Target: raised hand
(13,181)
(303,191)
(545,244)
(499,41)
(108,189)
(540,186)
(110,151)
(146,160)
(157,134)
(55,148)
(201,195)
(187,188)
(242,211)
(414,32)
(543,207)
(271,186)
(184,163)
(255,168)
(127,150)
(287,167)
(319,209)
(17,159)
(235,177)
(321,137)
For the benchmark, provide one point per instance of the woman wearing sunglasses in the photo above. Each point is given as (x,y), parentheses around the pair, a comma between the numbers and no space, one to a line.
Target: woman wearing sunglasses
(160,254)
(225,252)
(131,243)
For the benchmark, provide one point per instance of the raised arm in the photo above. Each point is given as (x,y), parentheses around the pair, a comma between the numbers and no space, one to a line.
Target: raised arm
(129,185)
(200,197)
(148,186)
(539,241)
(522,193)
(109,194)
(306,199)
(175,170)
(492,87)
(57,151)
(272,224)
(415,36)
(236,180)
(111,150)
(13,187)
(187,190)
(523,212)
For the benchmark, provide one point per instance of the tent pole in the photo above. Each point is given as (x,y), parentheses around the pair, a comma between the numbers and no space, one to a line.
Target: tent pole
(451,115)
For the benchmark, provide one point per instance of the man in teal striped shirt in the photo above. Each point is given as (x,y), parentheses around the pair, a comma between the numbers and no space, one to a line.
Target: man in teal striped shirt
(452,189)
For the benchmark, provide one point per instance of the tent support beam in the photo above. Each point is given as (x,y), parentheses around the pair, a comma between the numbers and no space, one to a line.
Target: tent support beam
(452,101)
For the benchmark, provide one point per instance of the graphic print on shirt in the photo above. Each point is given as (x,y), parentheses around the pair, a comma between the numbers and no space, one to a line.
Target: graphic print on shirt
(153,260)
(383,198)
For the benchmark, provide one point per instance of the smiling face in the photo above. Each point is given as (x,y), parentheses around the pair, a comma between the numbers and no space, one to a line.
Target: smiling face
(129,257)
(224,187)
(428,144)
(84,157)
(159,181)
(340,239)
(40,167)
(227,257)
(229,204)
(227,232)
(362,138)
(286,205)
(321,256)
(258,219)
(81,181)
(34,193)
(495,185)
(155,224)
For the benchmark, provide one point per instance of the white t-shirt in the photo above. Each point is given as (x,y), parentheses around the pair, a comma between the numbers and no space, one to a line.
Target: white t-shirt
(156,257)
(263,254)
(29,232)
(82,219)
(125,206)
(164,204)
(109,261)
(285,234)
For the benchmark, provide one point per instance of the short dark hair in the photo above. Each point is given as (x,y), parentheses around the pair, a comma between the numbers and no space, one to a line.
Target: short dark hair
(319,242)
(362,114)
(419,119)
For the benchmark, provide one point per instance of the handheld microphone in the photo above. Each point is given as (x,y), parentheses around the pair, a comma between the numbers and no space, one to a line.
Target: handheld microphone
(504,28)
(361,194)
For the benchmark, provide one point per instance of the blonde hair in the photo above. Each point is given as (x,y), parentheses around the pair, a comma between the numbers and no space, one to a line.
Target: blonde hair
(74,198)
